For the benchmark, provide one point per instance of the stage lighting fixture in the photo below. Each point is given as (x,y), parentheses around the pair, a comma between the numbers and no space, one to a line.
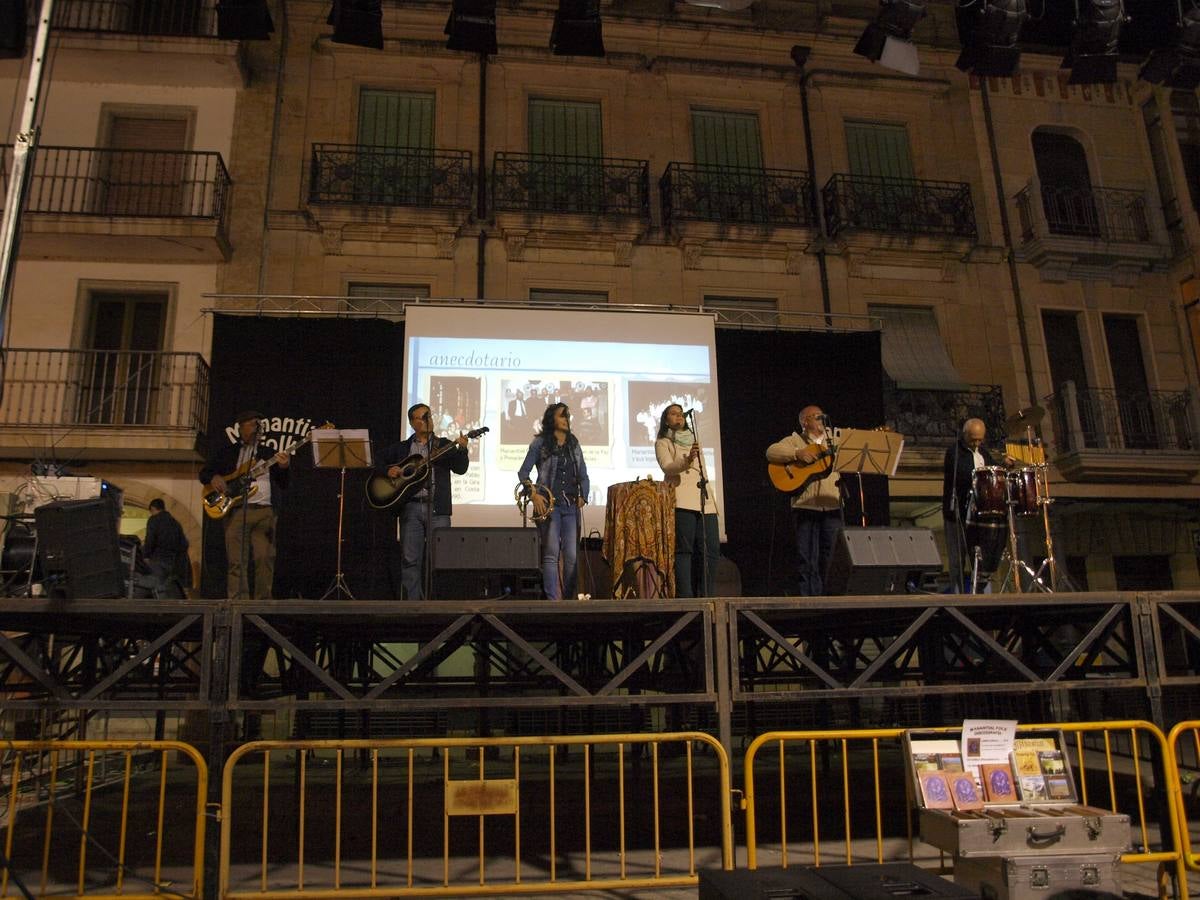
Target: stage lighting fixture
(472,26)
(12,29)
(888,39)
(1092,58)
(244,20)
(576,30)
(988,31)
(357,22)
(1178,65)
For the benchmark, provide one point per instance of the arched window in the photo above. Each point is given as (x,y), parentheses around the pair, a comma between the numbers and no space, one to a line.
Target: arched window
(1067,197)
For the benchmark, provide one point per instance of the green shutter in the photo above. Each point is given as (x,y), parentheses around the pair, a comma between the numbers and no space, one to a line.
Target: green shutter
(726,139)
(565,128)
(395,119)
(879,150)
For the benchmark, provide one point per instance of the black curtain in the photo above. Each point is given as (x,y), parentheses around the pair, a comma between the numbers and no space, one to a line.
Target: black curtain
(766,378)
(344,371)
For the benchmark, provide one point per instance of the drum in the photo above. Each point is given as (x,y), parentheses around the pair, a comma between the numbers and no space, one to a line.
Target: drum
(990,491)
(990,537)
(1023,491)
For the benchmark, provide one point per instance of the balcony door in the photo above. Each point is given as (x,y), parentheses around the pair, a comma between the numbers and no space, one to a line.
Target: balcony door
(119,375)
(395,161)
(727,147)
(566,142)
(1067,364)
(1062,169)
(881,197)
(1135,412)
(144,168)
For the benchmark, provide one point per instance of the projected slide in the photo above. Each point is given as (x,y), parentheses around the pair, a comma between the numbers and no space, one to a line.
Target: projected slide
(501,368)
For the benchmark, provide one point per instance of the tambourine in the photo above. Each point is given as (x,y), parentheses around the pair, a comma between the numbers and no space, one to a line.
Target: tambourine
(524,497)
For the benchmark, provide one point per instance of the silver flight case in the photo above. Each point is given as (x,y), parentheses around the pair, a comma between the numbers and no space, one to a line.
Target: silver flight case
(1036,877)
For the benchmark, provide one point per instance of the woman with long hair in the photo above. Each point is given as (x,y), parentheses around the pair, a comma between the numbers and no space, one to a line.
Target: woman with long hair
(562,474)
(697,537)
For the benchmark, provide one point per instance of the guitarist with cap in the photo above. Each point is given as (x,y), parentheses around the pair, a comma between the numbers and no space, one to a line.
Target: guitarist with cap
(416,519)
(253,527)
(817,506)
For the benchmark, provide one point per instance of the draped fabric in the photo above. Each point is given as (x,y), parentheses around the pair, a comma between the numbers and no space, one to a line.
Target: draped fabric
(640,527)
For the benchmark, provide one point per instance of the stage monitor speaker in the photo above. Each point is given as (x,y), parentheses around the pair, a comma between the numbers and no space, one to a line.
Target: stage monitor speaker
(878,881)
(486,548)
(881,561)
(77,541)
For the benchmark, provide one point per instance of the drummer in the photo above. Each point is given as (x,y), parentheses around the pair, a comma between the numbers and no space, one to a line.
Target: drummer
(958,470)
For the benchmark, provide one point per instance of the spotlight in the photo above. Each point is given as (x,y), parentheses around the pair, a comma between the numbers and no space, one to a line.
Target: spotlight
(988,31)
(472,26)
(576,30)
(1178,66)
(1092,58)
(244,20)
(357,22)
(887,40)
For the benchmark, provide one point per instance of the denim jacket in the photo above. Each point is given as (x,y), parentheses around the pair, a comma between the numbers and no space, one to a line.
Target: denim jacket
(547,465)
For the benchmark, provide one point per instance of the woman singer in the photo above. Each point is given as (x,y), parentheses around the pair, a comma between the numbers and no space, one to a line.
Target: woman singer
(697,542)
(561,474)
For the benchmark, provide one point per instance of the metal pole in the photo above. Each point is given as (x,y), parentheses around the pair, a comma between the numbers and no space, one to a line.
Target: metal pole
(24,145)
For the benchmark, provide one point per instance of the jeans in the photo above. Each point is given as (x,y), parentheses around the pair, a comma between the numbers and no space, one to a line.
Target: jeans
(412,549)
(257,525)
(560,541)
(692,544)
(816,533)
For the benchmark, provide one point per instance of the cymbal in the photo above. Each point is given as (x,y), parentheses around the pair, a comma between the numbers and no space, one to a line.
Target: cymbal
(1023,418)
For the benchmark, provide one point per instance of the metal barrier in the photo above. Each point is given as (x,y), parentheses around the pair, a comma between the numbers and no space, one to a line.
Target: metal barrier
(367,811)
(850,752)
(1184,743)
(86,796)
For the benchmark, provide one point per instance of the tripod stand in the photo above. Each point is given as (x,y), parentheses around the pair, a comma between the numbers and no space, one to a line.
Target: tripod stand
(341,449)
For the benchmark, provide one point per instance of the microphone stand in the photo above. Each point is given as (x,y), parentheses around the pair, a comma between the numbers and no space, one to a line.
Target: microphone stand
(961,543)
(702,483)
(430,487)
(244,551)
(578,512)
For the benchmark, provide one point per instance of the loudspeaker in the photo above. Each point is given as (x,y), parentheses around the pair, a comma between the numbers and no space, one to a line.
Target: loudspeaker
(77,540)
(869,881)
(486,548)
(881,560)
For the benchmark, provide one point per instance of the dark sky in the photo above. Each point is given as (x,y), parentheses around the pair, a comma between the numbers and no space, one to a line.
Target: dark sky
(1152,24)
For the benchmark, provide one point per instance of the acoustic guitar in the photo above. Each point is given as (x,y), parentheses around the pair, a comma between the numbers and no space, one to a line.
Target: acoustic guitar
(384,491)
(793,477)
(240,484)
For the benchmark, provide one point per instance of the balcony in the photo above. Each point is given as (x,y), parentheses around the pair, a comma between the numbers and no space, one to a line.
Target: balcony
(115,36)
(931,418)
(103,404)
(1090,233)
(571,185)
(353,175)
(129,205)
(939,214)
(734,196)
(1108,435)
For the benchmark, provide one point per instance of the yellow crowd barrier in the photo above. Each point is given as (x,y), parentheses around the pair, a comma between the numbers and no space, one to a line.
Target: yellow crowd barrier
(366,815)
(839,767)
(94,818)
(1184,776)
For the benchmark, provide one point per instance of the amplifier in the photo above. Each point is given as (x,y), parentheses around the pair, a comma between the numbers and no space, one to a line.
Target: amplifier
(486,548)
(881,560)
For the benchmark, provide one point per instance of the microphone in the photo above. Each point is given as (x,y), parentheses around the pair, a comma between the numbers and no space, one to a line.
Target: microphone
(426,417)
(689,412)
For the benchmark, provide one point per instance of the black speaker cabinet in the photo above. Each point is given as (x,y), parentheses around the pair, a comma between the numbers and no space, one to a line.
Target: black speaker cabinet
(881,560)
(77,540)
(486,548)
(871,881)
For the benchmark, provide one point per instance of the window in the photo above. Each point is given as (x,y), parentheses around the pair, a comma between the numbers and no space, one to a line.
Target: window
(1067,364)
(143,174)
(566,135)
(387,290)
(1156,136)
(1134,409)
(878,150)
(744,312)
(881,196)
(1185,110)
(394,163)
(580,298)
(728,151)
(119,381)
(395,119)
(914,355)
(1067,199)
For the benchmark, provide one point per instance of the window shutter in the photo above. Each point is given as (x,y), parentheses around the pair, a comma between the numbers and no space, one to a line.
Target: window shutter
(878,150)
(565,128)
(395,119)
(729,140)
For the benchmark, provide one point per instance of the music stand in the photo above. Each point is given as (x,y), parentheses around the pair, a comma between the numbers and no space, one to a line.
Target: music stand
(863,452)
(341,448)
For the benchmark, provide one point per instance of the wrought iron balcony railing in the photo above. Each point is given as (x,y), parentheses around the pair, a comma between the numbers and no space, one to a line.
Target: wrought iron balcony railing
(736,196)
(931,418)
(391,176)
(1107,214)
(97,181)
(897,205)
(1095,418)
(104,388)
(158,18)
(584,185)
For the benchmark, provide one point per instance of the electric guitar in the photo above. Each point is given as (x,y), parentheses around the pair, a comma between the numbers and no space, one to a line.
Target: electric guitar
(793,477)
(384,491)
(240,484)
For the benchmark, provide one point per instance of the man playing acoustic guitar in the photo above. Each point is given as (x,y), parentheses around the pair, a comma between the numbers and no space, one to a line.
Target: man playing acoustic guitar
(255,527)
(816,508)
(414,524)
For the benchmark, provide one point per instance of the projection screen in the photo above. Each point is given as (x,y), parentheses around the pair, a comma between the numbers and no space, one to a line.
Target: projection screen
(501,367)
